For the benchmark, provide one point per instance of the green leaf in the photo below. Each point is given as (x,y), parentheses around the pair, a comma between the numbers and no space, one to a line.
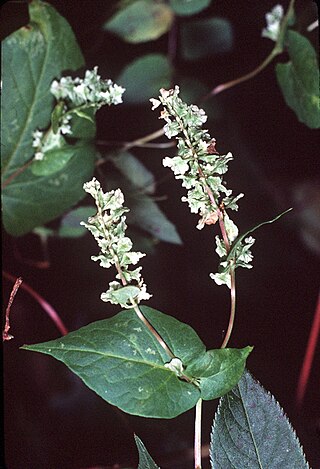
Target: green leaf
(250,430)
(70,224)
(143,77)
(188,7)
(53,160)
(219,370)
(240,238)
(30,201)
(123,363)
(32,57)
(134,171)
(145,460)
(56,116)
(83,125)
(299,80)
(141,21)
(146,215)
(205,37)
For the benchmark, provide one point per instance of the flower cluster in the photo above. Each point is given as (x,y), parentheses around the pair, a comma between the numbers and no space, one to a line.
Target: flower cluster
(273,19)
(88,90)
(201,168)
(108,228)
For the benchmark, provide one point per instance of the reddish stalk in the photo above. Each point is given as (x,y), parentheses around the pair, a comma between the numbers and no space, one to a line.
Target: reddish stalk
(15,288)
(51,312)
(309,356)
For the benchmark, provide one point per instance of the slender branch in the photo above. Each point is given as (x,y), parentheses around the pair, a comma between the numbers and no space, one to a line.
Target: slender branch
(232,308)
(43,303)
(224,86)
(142,140)
(15,288)
(278,49)
(197,435)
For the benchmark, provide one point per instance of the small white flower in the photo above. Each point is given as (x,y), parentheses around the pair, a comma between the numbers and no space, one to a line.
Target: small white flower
(273,20)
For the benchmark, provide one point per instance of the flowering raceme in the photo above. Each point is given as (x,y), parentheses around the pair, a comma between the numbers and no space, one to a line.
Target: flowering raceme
(108,228)
(201,169)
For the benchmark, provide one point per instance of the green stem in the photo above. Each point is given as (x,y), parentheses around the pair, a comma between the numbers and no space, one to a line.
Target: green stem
(197,435)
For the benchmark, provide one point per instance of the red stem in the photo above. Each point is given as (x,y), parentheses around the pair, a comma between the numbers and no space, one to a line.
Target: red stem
(51,312)
(309,355)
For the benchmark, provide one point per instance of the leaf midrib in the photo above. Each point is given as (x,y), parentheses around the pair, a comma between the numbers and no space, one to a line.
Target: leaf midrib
(105,355)
(250,430)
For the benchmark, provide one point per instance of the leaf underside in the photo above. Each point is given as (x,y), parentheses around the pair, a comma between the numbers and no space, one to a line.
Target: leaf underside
(251,431)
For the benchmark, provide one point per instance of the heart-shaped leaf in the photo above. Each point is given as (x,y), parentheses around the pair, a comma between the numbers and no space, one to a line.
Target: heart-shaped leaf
(123,363)
(32,57)
(251,430)
(299,80)
(141,21)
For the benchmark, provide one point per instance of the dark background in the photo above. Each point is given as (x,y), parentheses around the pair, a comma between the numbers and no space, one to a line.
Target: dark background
(51,419)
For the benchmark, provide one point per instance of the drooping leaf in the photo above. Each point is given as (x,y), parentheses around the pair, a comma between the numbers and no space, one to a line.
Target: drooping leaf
(143,77)
(141,21)
(250,430)
(32,57)
(134,171)
(204,37)
(70,224)
(188,7)
(299,80)
(123,363)
(145,460)
(144,213)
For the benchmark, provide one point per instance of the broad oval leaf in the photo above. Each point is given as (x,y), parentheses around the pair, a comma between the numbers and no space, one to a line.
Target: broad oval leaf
(141,21)
(204,37)
(250,430)
(299,80)
(124,364)
(145,460)
(32,57)
(188,7)
(143,77)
